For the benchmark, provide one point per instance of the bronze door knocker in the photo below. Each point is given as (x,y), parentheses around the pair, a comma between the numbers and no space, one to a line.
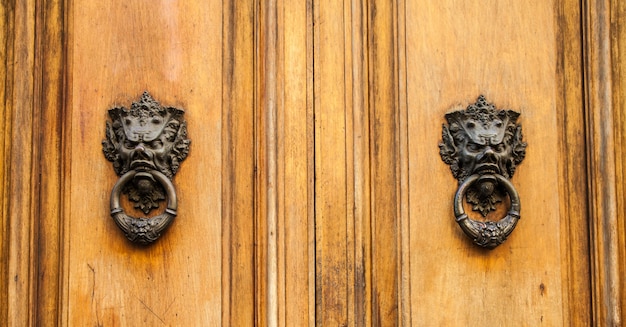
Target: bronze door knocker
(146,144)
(483,146)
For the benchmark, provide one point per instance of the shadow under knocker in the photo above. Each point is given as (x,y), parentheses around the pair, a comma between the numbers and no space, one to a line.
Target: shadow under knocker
(483,146)
(146,144)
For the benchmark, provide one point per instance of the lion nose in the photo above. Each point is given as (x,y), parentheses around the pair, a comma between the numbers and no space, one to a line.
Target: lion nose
(489,155)
(140,153)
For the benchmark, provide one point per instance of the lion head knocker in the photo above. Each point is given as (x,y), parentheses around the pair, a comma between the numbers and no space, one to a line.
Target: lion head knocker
(483,146)
(146,144)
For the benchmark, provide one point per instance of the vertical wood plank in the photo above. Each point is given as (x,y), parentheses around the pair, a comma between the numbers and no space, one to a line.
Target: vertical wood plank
(358,40)
(269,103)
(295,157)
(452,56)
(331,207)
(162,47)
(238,153)
(385,160)
(357,164)
(7,40)
(285,161)
(618,10)
(404,236)
(65,201)
(21,166)
(573,178)
(54,66)
(602,165)
(350,84)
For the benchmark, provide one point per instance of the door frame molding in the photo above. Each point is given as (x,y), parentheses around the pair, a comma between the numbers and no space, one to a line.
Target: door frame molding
(603,32)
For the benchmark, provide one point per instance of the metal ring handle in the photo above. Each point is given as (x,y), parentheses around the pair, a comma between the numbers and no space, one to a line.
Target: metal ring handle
(143,230)
(487,234)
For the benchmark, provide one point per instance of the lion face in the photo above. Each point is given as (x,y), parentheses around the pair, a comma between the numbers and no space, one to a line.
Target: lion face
(146,137)
(482,140)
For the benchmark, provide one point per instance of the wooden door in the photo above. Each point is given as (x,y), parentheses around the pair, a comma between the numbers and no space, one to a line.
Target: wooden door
(91,57)
(313,192)
(401,258)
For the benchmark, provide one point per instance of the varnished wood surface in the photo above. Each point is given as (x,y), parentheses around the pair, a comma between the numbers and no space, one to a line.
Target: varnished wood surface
(314,193)
(334,269)
(618,10)
(162,48)
(7,38)
(452,57)
(604,55)
(295,292)
(444,57)
(236,130)
(574,206)
(20,190)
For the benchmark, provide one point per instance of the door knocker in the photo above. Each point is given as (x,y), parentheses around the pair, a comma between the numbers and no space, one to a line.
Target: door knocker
(146,144)
(483,146)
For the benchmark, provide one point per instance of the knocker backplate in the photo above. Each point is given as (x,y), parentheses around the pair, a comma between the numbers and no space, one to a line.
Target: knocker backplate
(483,146)
(146,145)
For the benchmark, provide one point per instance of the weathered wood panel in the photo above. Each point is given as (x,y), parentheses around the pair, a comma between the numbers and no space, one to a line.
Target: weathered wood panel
(618,17)
(294,156)
(333,214)
(192,275)
(238,110)
(314,193)
(514,54)
(20,167)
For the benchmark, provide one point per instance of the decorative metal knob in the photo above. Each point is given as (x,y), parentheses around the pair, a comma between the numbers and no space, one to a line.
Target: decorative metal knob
(146,144)
(483,146)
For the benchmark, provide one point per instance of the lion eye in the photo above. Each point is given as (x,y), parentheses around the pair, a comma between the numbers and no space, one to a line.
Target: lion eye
(156,144)
(156,121)
(473,147)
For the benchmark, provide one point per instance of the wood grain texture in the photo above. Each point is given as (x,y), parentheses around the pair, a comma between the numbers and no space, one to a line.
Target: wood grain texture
(452,57)
(385,163)
(602,183)
(238,163)
(332,210)
(313,193)
(618,11)
(52,55)
(357,36)
(404,237)
(40,69)
(573,180)
(163,48)
(21,129)
(7,40)
(357,171)
(343,202)
(269,108)
(294,156)
(285,160)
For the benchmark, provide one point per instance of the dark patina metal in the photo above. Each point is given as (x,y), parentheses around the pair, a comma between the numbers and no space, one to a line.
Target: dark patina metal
(146,144)
(483,146)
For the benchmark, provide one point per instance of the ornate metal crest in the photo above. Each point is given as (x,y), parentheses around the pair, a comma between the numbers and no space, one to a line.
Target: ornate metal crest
(146,145)
(483,146)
